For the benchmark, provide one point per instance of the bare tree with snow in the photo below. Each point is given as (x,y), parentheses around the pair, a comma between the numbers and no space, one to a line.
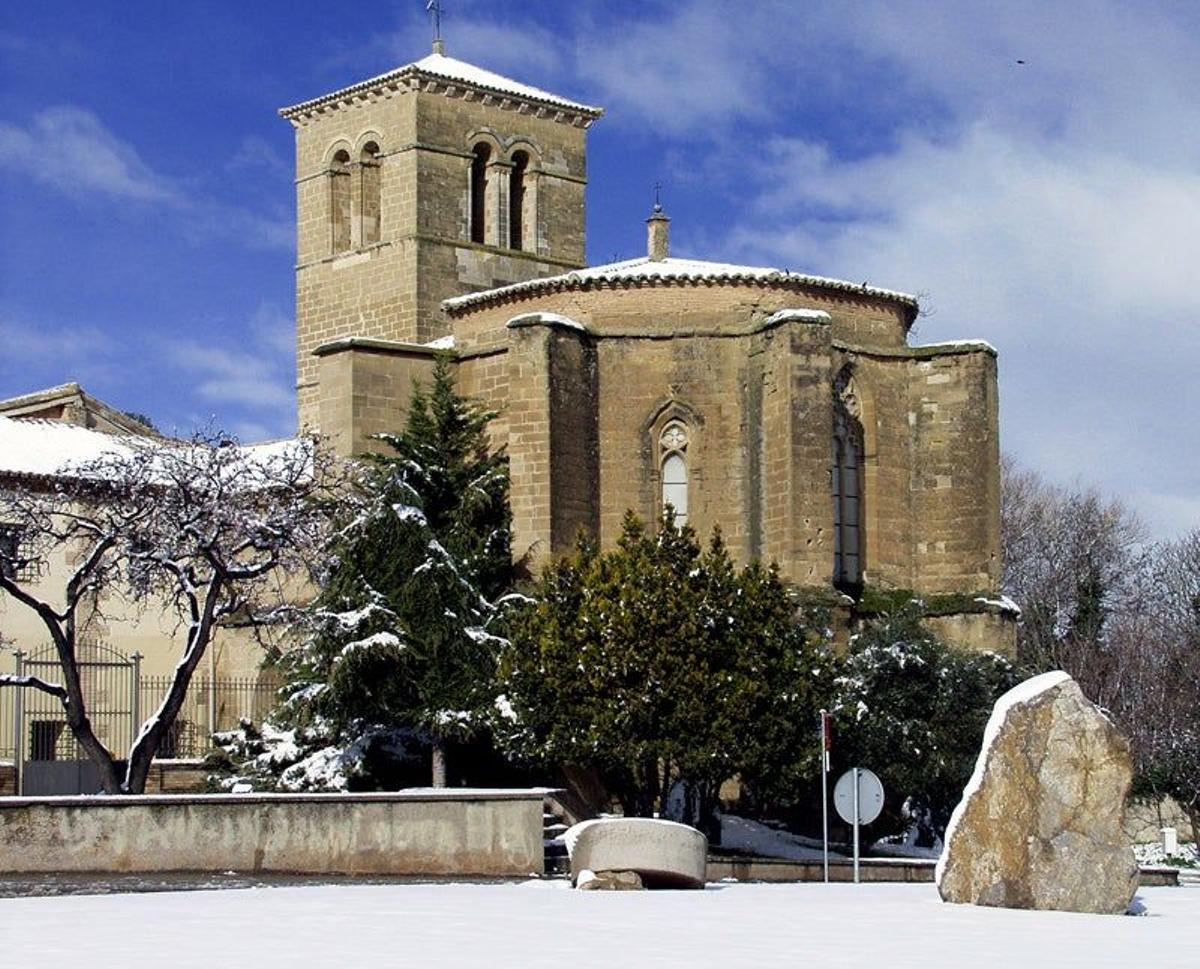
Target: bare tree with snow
(1072,560)
(202,529)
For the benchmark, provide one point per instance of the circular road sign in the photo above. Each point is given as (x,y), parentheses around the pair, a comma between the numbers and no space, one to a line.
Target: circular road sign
(870,796)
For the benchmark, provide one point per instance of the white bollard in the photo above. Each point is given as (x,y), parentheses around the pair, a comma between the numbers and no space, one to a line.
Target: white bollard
(1170,842)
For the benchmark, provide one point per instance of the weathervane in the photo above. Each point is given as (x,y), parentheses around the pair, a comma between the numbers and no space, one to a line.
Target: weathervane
(658,196)
(434,8)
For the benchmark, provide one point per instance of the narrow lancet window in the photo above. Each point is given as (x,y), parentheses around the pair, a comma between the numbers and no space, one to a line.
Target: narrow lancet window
(673,443)
(846,484)
(479,179)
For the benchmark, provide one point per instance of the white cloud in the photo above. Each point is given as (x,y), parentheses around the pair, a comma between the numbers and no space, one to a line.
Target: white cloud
(255,153)
(37,355)
(252,386)
(685,71)
(520,49)
(70,149)
(249,386)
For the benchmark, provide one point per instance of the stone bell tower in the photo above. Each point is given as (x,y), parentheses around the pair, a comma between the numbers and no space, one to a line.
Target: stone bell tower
(436,179)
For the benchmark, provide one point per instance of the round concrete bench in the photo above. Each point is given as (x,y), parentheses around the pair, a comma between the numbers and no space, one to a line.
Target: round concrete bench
(665,854)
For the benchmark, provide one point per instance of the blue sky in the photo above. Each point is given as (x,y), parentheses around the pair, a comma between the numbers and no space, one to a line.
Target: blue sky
(1050,207)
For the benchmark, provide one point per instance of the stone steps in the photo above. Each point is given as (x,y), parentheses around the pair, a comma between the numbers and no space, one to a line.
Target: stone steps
(555,850)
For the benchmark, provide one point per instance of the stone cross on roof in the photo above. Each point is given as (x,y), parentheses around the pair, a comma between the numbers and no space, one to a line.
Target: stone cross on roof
(434,9)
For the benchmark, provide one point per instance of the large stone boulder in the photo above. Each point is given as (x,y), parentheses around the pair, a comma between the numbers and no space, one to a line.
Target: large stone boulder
(1040,824)
(663,853)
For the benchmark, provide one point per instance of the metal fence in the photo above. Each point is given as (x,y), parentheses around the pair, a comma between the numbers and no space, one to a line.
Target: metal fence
(119,698)
(210,706)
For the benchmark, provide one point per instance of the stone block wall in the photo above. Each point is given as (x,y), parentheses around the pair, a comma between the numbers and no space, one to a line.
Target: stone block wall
(986,631)
(176,777)
(956,470)
(445,833)
(528,410)
(366,387)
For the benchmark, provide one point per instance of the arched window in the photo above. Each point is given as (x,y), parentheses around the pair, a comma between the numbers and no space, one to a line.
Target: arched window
(516,199)
(339,202)
(673,442)
(368,194)
(479,177)
(846,483)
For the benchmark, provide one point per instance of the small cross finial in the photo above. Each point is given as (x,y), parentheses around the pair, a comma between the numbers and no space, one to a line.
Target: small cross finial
(658,196)
(434,9)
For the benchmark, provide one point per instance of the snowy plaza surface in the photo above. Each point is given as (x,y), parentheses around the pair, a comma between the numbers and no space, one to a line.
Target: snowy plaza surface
(534,924)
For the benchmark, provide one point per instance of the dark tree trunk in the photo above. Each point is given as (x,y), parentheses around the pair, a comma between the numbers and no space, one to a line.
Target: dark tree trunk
(439,762)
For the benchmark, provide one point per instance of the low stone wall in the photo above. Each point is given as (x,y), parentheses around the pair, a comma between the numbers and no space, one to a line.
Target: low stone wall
(1144,820)
(419,832)
(870,870)
(840,869)
(176,777)
(994,630)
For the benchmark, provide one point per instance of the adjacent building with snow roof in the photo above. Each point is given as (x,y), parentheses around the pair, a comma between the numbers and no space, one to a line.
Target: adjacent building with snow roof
(46,437)
(441,209)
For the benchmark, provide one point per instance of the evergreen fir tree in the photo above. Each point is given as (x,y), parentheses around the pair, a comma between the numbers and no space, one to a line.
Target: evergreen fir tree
(461,482)
(397,642)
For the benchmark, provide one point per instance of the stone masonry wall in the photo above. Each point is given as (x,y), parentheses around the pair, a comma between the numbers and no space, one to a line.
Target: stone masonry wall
(366,390)
(954,415)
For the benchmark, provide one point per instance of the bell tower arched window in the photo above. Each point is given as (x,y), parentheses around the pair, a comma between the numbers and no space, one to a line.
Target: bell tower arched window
(368,195)
(339,202)
(482,153)
(846,479)
(516,199)
(673,443)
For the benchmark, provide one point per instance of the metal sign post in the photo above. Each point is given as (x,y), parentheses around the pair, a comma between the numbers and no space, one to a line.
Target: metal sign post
(858,797)
(857,817)
(826,745)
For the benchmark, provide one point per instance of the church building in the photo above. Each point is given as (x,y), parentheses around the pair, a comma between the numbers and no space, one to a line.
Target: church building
(441,210)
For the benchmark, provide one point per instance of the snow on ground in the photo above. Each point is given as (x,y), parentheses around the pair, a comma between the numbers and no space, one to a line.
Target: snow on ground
(1152,854)
(755,838)
(544,923)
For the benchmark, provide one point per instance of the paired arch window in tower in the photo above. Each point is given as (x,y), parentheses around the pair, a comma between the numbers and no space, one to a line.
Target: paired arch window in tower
(516,199)
(481,157)
(847,483)
(354,199)
(503,204)
(673,443)
(368,194)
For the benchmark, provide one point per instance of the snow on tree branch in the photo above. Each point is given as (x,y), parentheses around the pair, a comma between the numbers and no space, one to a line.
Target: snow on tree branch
(34,682)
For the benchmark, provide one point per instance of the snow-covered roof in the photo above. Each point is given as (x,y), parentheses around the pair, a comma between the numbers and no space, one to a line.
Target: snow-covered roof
(645,270)
(71,404)
(44,449)
(450,70)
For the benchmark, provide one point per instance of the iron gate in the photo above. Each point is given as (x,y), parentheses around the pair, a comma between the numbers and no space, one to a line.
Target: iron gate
(49,760)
